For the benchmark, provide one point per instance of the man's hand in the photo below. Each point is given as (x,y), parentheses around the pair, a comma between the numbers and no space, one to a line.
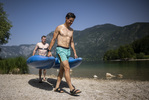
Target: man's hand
(75,55)
(49,54)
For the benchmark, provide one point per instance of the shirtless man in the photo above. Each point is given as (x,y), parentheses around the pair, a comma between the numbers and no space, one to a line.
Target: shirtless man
(64,36)
(42,48)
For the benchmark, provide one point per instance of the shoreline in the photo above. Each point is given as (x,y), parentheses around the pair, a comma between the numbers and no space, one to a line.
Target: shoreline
(130,60)
(26,87)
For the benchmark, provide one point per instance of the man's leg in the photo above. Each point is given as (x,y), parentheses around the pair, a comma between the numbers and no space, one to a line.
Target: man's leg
(60,76)
(40,73)
(67,77)
(44,74)
(67,74)
(64,66)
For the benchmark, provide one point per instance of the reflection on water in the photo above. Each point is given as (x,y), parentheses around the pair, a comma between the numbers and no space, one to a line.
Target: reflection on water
(133,70)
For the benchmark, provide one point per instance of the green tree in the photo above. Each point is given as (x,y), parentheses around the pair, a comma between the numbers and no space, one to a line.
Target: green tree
(141,45)
(126,52)
(144,46)
(10,65)
(140,55)
(5,26)
(130,52)
(122,52)
(107,55)
(111,55)
(115,55)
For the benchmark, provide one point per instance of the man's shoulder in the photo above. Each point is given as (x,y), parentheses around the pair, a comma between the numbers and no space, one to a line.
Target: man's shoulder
(39,43)
(47,44)
(60,26)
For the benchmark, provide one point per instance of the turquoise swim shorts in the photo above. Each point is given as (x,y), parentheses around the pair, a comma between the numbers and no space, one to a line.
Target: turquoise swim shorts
(62,53)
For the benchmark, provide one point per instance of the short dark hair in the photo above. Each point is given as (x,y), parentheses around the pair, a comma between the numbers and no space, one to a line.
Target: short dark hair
(43,36)
(70,15)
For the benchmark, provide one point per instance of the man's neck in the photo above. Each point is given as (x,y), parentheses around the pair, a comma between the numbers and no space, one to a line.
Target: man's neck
(43,43)
(66,25)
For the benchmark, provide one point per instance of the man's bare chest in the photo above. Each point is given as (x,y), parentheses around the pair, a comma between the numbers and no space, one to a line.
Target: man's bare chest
(66,33)
(42,46)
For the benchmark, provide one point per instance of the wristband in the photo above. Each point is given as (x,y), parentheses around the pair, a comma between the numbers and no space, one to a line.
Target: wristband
(49,50)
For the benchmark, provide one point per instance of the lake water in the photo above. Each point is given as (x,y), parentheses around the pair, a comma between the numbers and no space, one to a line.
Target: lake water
(132,70)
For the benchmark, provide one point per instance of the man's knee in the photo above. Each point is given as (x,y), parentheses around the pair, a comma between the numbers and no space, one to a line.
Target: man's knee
(65,65)
(67,68)
(44,70)
(40,70)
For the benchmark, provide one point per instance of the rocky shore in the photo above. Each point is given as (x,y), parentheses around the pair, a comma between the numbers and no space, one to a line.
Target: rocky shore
(26,87)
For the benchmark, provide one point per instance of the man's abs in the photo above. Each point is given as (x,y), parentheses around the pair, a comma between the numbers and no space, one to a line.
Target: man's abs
(63,41)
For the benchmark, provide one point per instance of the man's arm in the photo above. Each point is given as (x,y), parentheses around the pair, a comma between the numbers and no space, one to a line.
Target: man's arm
(35,50)
(73,48)
(56,32)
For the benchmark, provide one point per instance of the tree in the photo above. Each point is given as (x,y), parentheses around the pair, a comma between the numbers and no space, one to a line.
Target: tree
(126,52)
(111,55)
(141,45)
(5,26)
(122,52)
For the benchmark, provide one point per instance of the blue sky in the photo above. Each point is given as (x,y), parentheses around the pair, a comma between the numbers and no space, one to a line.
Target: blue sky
(33,18)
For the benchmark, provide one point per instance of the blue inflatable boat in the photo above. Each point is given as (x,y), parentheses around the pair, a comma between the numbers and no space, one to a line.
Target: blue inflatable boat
(42,62)
(72,62)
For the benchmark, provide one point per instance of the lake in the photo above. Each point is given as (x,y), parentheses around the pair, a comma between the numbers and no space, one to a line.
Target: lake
(131,70)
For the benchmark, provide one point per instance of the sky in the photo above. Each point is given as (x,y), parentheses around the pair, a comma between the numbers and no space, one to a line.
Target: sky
(32,19)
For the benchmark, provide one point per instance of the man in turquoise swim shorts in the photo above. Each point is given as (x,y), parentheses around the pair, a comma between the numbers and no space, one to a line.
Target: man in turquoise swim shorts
(64,35)
(62,53)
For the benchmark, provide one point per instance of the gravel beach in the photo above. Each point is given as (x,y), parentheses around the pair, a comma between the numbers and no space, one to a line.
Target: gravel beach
(26,87)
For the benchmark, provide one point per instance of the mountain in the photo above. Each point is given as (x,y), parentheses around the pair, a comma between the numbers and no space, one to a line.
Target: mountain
(15,51)
(93,42)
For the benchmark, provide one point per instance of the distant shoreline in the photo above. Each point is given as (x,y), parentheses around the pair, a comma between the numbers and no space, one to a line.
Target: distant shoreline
(130,60)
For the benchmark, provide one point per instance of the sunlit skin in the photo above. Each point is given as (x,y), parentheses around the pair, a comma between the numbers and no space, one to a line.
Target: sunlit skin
(64,35)
(43,53)
(43,40)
